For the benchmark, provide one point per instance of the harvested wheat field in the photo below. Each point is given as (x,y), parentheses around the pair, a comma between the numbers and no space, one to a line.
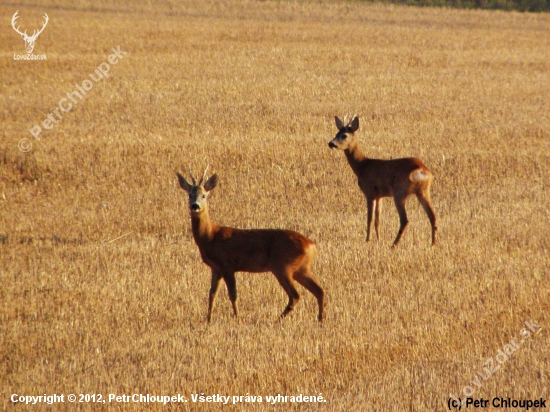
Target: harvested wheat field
(102,288)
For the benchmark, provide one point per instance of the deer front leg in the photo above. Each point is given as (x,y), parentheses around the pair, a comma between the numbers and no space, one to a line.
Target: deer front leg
(377,206)
(216,277)
(231,283)
(370,207)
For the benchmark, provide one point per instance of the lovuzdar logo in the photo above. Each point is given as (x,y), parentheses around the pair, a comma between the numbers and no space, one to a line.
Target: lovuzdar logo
(30,41)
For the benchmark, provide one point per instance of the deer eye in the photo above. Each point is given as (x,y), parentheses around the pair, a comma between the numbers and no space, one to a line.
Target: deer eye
(204,196)
(344,136)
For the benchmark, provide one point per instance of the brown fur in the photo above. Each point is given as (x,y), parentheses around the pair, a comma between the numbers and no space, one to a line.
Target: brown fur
(397,178)
(285,253)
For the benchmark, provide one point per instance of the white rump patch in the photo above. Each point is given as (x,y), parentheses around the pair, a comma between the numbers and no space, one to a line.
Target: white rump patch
(418,175)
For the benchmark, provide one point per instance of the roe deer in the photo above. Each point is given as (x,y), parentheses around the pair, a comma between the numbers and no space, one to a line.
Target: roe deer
(285,253)
(378,178)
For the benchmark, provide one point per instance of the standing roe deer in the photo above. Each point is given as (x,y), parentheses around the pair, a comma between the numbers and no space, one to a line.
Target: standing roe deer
(285,253)
(378,178)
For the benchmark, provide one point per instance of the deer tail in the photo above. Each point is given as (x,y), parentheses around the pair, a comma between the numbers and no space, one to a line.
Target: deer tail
(419,175)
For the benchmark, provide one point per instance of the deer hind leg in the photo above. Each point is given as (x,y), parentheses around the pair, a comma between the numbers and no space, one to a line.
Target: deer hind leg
(403,221)
(231,283)
(424,200)
(293,295)
(370,207)
(304,278)
(216,277)
(377,206)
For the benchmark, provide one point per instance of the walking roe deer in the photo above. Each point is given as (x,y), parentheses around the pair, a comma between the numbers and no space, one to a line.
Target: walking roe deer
(398,178)
(285,253)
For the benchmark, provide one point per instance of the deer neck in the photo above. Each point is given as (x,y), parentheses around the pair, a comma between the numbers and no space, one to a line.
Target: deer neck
(355,157)
(202,226)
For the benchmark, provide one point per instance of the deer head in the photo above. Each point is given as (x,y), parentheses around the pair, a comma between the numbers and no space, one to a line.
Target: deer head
(198,192)
(345,133)
(29,40)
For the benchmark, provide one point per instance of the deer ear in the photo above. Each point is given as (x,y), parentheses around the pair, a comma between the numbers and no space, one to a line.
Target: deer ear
(211,183)
(339,123)
(183,183)
(355,125)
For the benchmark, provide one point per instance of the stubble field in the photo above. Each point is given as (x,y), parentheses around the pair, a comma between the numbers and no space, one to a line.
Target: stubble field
(102,289)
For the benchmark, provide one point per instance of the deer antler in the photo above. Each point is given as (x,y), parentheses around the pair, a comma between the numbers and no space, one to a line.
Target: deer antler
(13,21)
(348,119)
(204,175)
(35,33)
(191,174)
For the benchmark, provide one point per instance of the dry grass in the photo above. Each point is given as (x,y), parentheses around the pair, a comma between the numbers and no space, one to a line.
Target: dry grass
(102,289)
